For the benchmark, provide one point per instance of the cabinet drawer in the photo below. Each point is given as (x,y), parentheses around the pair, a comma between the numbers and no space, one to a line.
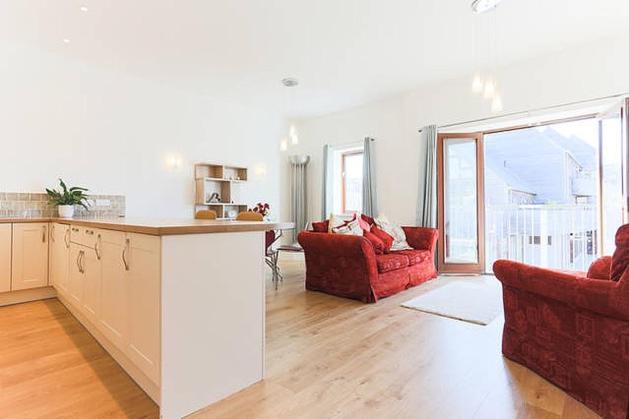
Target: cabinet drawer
(84,236)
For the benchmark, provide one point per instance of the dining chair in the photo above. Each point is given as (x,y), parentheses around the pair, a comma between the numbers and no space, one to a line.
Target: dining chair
(205,215)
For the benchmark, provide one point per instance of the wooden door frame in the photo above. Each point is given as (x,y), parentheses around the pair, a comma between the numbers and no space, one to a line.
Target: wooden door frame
(472,268)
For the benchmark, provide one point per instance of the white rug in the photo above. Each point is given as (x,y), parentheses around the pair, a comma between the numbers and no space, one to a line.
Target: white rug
(472,299)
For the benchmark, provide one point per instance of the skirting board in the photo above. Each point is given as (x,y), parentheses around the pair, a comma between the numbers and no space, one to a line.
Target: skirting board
(145,383)
(25,296)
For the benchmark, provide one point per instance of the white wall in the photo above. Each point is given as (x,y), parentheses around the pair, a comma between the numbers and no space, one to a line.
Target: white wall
(590,71)
(114,133)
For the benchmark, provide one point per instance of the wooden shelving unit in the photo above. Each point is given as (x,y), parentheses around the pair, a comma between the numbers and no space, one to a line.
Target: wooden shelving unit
(222,180)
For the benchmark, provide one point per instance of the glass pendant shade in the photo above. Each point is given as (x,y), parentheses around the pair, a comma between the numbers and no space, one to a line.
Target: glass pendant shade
(496,104)
(477,84)
(490,89)
(294,139)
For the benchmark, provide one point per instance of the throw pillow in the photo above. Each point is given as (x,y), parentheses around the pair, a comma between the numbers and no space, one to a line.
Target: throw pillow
(386,239)
(363,223)
(620,259)
(378,245)
(349,227)
(321,226)
(369,220)
(599,269)
(336,221)
(395,231)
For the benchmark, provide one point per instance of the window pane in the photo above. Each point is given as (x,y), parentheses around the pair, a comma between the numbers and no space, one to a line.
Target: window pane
(611,142)
(541,195)
(353,182)
(461,234)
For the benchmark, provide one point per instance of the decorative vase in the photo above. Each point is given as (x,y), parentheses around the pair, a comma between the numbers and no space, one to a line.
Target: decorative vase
(66,211)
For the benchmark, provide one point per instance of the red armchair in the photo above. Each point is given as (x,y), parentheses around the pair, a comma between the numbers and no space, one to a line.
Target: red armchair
(347,266)
(573,329)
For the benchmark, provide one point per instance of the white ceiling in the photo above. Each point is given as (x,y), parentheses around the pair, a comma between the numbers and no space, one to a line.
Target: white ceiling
(344,52)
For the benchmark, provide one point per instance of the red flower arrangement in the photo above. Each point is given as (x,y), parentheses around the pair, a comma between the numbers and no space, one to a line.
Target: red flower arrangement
(262,208)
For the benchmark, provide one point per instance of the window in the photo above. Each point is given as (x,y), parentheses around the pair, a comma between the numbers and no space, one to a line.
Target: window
(344,180)
(351,181)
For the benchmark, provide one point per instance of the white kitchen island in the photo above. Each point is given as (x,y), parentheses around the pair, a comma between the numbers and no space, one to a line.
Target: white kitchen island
(180,304)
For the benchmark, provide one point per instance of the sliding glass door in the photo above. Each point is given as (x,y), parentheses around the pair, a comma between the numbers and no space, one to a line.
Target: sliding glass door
(460,196)
(550,195)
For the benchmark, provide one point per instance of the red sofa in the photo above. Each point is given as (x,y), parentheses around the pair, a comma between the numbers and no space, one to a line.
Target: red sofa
(347,266)
(573,328)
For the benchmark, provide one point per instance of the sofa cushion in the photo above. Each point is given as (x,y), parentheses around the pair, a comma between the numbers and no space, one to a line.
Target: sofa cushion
(378,245)
(391,262)
(321,226)
(414,256)
(385,237)
(620,260)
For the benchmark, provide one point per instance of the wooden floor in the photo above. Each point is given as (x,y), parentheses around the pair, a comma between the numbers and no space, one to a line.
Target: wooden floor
(326,358)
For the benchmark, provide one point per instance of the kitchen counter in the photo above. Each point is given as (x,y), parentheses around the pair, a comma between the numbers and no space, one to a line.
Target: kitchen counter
(161,227)
(181,309)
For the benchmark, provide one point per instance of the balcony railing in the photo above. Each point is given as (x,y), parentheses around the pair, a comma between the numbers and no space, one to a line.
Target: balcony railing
(546,235)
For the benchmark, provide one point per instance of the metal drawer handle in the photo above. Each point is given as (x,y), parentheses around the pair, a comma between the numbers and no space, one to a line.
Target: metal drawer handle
(66,238)
(124,255)
(78,261)
(81,262)
(97,247)
(43,235)
(52,233)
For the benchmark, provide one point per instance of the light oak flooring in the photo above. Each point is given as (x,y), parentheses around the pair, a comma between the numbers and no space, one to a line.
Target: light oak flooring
(326,358)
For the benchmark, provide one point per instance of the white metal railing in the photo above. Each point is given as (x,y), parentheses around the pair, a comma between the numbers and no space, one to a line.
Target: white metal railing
(546,235)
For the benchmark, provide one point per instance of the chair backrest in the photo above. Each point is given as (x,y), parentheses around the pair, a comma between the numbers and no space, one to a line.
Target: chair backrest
(249,216)
(205,215)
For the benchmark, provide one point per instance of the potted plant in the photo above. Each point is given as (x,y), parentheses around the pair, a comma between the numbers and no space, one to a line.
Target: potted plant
(67,198)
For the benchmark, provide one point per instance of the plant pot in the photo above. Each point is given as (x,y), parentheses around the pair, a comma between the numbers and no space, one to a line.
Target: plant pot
(66,211)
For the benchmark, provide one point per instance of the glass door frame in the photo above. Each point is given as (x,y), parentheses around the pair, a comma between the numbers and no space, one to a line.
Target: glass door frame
(442,265)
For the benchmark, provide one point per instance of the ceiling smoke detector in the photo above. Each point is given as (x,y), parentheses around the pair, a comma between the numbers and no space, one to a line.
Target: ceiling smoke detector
(290,82)
(482,6)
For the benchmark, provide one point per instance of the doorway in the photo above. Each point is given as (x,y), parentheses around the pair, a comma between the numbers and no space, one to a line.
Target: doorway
(550,195)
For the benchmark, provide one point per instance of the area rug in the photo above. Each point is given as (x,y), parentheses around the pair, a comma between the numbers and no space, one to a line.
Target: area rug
(475,300)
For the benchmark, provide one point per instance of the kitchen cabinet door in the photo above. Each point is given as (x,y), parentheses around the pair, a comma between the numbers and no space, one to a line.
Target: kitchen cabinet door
(59,256)
(75,282)
(30,256)
(91,301)
(113,313)
(142,256)
(5,257)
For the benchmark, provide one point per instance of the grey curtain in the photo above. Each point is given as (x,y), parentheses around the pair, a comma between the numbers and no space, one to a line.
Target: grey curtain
(427,206)
(370,197)
(298,193)
(326,194)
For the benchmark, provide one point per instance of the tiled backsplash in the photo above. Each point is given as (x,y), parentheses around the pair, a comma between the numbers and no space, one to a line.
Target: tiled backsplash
(36,205)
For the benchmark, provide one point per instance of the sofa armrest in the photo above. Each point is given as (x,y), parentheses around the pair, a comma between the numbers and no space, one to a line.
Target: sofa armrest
(342,264)
(604,297)
(421,238)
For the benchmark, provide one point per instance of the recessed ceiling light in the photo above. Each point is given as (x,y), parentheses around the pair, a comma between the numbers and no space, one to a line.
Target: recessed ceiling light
(83,8)
(290,82)
(481,6)
(66,41)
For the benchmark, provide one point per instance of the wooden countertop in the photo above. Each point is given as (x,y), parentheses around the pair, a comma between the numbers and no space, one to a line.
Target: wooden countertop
(162,227)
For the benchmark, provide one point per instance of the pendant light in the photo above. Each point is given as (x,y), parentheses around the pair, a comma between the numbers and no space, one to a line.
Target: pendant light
(293,136)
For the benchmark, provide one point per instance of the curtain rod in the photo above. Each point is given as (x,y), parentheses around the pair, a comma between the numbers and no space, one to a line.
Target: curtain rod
(546,108)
